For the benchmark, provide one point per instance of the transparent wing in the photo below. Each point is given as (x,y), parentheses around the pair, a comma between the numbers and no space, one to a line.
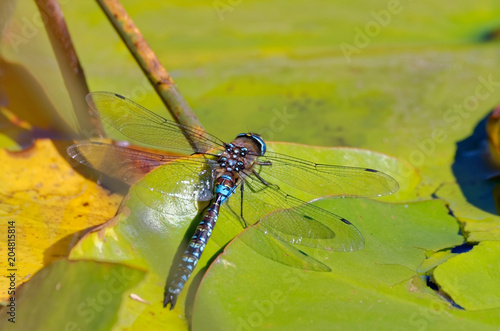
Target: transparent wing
(280,251)
(187,177)
(290,219)
(142,125)
(326,180)
(125,164)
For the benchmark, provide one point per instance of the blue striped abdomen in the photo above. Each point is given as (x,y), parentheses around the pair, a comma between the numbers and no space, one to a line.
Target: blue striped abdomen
(192,253)
(198,241)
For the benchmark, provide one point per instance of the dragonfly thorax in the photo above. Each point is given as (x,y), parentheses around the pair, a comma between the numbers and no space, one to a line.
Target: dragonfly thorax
(241,153)
(235,159)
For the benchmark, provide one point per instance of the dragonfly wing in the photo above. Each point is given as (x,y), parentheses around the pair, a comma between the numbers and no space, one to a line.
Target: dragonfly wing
(312,226)
(142,125)
(279,250)
(187,177)
(125,164)
(327,180)
(291,219)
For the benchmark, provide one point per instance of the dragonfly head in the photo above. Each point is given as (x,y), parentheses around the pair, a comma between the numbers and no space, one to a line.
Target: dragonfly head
(256,140)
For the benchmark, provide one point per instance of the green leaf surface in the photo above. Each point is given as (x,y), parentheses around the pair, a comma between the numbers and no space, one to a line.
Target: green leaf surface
(374,288)
(86,295)
(434,259)
(472,279)
(147,234)
(478,225)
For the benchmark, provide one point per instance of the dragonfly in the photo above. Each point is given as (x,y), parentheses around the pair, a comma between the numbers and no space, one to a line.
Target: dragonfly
(237,178)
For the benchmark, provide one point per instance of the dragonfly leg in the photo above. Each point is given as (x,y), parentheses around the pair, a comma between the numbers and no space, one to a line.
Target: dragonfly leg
(262,180)
(242,188)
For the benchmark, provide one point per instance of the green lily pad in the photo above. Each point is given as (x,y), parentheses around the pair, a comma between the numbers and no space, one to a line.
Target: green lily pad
(478,225)
(434,259)
(472,279)
(86,295)
(374,288)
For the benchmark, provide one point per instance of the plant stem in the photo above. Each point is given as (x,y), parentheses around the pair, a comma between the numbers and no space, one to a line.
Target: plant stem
(71,70)
(151,66)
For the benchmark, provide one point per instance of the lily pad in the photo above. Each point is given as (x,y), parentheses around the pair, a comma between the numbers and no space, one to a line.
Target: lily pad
(478,225)
(374,288)
(472,279)
(86,295)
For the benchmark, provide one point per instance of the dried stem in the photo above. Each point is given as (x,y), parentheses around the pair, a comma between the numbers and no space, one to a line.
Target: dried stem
(151,66)
(72,72)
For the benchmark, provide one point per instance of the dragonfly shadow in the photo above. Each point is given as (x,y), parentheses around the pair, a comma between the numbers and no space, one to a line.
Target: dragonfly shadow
(195,284)
(475,171)
(191,291)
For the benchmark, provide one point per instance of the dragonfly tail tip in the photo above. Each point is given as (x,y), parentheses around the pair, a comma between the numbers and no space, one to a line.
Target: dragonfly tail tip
(169,299)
